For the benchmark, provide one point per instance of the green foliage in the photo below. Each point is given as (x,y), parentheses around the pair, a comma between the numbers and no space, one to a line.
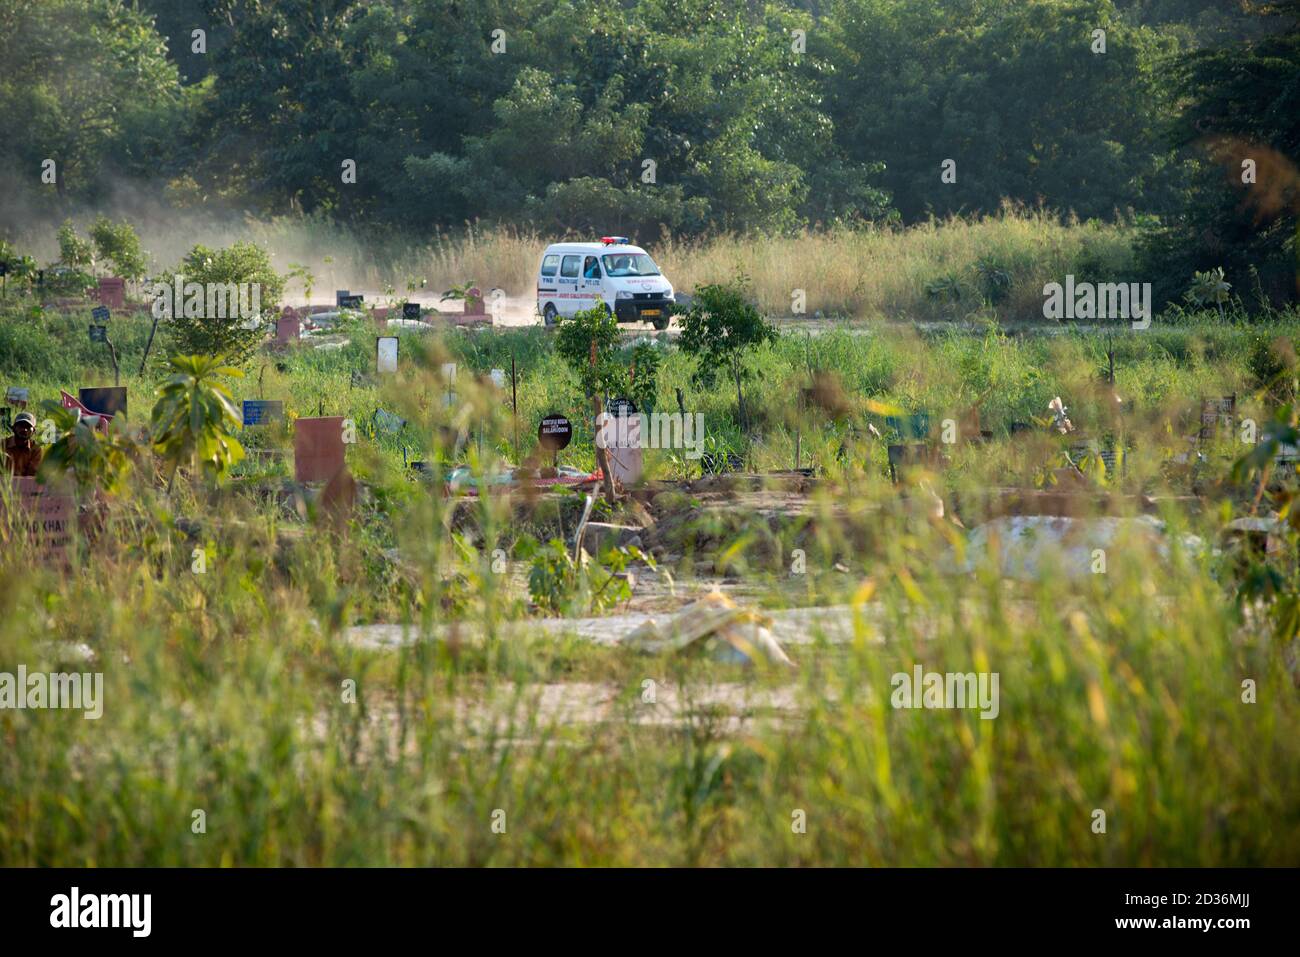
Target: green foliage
(86,83)
(95,458)
(996,280)
(195,418)
(231,337)
(1274,585)
(560,585)
(719,328)
(74,252)
(554,133)
(19,267)
(1239,105)
(1012,91)
(304,275)
(458,293)
(573,344)
(119,244)
(644,387)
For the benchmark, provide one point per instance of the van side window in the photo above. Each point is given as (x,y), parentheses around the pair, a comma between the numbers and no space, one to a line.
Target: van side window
(550,264)
(569,268)
(591,268)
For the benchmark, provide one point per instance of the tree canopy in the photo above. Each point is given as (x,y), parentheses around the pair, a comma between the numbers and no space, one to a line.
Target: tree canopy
(691,116)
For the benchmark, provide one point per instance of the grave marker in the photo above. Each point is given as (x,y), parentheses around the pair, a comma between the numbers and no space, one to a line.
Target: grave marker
(288,329)
(911,427)
(17,396)
(386,421)
(626,465)
(449,375)
(109,400)
(43,516)
(474,302)
(112,292)
(554,433)
(261,411)
(909,455)
(1218,416)
(318,448)
(411,310)
(386,354)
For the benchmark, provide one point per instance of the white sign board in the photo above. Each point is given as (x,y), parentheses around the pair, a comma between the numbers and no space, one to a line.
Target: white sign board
(386,354)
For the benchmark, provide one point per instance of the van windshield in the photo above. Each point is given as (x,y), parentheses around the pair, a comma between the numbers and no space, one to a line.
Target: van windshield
(630,264)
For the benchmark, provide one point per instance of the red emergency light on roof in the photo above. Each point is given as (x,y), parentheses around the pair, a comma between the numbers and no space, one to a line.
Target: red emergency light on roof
(614,240)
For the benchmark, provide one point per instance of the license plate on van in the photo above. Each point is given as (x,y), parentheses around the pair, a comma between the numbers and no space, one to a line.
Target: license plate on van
(650,312)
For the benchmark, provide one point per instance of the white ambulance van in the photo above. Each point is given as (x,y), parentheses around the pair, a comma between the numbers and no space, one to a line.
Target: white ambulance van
(622,277)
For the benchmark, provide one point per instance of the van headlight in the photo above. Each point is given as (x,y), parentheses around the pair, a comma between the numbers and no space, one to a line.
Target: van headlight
(622,294)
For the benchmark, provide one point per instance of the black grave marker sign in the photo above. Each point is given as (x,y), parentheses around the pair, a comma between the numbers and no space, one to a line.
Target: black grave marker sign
(109,400)
(554,433)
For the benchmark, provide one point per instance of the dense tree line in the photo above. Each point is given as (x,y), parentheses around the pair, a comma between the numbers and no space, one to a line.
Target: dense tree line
(687,115)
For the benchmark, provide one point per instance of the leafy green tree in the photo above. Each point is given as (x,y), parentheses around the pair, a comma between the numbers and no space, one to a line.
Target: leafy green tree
(719,329)
(18,266)
(1010,91)
(1241,116)
(587,342)
(87,84)
(119,244)
(175,21)
(74,251)
(574,341)
(709,92)
(194,419)
(644,372)
(232,338)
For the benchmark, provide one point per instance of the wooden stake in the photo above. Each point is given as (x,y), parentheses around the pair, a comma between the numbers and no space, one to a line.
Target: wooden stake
(601,458)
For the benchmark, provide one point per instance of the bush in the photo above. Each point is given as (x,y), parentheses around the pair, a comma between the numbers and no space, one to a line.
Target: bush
(233,338)
(74,252)
(118,244)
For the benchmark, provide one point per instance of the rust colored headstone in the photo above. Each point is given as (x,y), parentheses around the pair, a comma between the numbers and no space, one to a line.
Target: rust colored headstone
(43,516)
(339,497)
(288,328)
(112,292)
(318,448)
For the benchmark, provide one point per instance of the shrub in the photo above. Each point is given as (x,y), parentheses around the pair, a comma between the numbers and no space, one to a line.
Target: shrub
(232,338)
(118,244)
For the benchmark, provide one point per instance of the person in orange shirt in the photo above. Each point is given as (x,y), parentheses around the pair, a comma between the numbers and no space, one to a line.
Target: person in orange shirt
(22,456)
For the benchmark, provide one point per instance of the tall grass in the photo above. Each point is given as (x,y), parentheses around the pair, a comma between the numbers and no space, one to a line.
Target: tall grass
(863,273)
(229,691)
(225,693)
